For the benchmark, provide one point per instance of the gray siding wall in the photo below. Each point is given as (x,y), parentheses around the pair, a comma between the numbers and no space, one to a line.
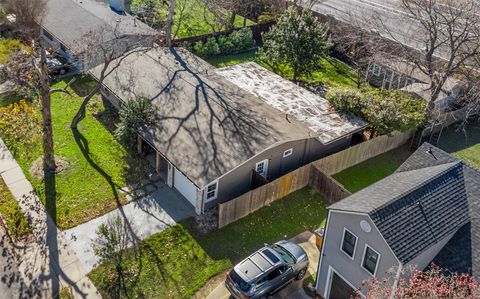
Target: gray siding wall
(237,182)
(350,269)
(426,257)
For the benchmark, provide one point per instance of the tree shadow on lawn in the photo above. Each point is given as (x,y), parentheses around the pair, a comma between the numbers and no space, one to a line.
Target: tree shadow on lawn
(82,143)
(456,138)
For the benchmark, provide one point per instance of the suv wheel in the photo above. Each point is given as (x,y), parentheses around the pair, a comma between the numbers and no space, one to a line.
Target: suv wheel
(301,274)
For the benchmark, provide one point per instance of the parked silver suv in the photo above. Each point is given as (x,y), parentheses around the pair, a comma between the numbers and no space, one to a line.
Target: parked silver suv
(267,271)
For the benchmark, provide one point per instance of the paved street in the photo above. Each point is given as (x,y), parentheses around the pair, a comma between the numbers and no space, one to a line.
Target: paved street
(375,14)
(294,289)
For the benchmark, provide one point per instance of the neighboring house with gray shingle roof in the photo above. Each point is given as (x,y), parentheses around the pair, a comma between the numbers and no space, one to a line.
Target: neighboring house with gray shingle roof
(428,210)
(73,27)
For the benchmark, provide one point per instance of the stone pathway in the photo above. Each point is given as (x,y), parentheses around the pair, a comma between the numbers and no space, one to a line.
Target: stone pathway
(161,208)
(49,264)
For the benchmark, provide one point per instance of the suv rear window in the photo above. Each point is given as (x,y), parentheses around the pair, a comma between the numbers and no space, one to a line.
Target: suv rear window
(241,284)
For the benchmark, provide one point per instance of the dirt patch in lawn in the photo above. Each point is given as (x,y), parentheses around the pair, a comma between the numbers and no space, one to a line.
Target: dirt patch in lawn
(36,170)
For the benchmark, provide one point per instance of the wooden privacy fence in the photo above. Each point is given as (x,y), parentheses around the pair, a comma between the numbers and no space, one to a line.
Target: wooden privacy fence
(251,201)
(316,174)
(332,190)
(361,152)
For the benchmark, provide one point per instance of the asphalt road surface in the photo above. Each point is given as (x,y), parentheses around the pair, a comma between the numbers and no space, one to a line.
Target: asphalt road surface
(384,16)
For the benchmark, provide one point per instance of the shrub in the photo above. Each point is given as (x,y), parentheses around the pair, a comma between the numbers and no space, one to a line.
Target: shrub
(20,124)
(385,110)
(226,45)
(236,42)
(209,48)
(134,114)
(242,39)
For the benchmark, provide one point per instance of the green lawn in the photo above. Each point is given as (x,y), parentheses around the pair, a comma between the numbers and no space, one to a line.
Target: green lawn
(11,213)
(97,163)
(300,211)
(333,72)
(366,173)
(178,261)
(463,145)
(193,18)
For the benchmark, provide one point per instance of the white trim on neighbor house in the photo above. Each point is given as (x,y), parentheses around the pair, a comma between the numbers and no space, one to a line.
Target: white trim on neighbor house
(348,212)
(215,191)
(363,259)
(288,152)
(317,280)
(328,287)
(354,246)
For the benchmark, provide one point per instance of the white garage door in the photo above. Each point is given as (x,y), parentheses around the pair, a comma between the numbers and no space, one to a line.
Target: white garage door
(185,187)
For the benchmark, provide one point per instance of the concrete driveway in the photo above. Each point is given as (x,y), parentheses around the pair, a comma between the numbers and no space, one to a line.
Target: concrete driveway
(294,289)
(155,212)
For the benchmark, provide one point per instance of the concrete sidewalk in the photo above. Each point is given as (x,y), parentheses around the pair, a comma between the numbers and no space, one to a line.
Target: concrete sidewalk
(49,264)
(147,216)
(295,289)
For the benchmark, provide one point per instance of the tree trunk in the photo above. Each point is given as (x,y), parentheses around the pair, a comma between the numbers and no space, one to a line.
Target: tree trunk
(169,24)
(48,153)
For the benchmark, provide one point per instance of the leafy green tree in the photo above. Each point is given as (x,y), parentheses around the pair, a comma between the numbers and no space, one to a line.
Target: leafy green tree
(298,41)
(134,115)
(385,110)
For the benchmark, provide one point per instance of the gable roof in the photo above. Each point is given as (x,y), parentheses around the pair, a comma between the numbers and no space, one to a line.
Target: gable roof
(305,106)
(431,196)
(70,21)
(206,125)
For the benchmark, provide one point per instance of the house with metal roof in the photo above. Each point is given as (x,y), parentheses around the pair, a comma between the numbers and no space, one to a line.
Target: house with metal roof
(80,29)
(427,211)
(215,140)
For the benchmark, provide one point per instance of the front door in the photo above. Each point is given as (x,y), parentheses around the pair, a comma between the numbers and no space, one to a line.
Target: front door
(262,168)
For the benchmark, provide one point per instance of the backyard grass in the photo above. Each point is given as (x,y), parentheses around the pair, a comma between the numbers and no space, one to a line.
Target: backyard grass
(178,261)
(366,173)
(11,213)
(333,72)
(464,145)
(193,18)
(300,211)
(96,163)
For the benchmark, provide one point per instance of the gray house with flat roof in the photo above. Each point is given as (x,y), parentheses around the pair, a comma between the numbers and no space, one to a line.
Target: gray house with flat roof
(428,210)
(79,30)
(215,140)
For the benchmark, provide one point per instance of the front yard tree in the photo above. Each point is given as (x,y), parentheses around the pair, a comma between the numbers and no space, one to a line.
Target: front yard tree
(35,76)
(430,284)
(298,41)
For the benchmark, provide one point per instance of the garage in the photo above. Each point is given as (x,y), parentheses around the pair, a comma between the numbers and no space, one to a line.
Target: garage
(185,187)
(339,289)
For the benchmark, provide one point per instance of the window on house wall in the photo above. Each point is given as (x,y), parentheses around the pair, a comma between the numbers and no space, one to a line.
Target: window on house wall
(288,152)
(349,243)
(211,192)
(370,260)
(375,69)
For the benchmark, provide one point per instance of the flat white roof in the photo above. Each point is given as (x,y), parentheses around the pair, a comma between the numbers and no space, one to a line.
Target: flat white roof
(295,101)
